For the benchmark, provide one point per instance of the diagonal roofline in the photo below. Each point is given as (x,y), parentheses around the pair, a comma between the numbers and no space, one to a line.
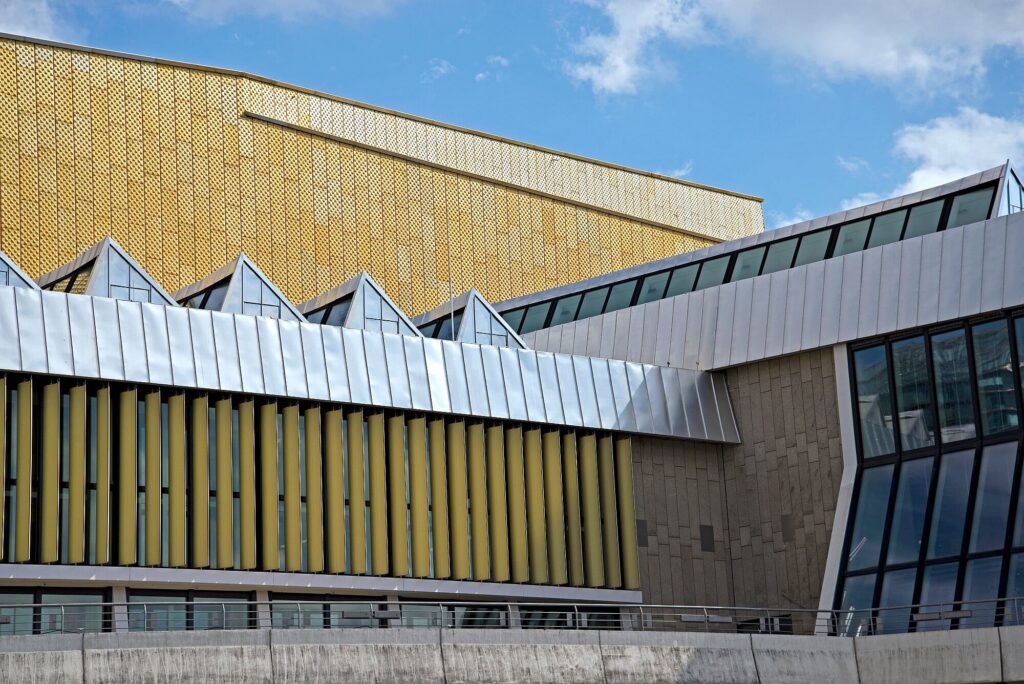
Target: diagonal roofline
(811,225)
(383,110)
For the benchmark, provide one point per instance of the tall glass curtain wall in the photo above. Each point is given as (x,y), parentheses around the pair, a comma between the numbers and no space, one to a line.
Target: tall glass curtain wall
(938,516)
(103,474)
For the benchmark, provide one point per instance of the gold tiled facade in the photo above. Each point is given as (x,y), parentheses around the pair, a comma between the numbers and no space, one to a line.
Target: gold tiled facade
(184,167)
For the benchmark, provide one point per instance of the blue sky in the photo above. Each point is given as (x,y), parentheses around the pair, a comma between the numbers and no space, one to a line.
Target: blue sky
(812,104)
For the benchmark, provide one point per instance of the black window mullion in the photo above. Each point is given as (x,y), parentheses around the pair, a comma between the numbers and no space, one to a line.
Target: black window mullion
(972,490)
(947,206)
(906,221)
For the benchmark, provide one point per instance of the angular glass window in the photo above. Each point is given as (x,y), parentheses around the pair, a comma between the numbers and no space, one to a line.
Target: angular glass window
(620,297)
(748,264)
(949,510)
(851,238)
(914,402)
(869,523)
(682,280)
(992,499)
(897,596)
(813,247)
(780,256)
(981,582)
(565,310)
(970,207)
(535,317)
(514,318)
(938,589)
(652,287)
(907,528)
(449,326)
(874,402)
(887,228)
(712,272)
(854,616)
(338,312)
(924,219)
(993,369)
(953,384)
(4,278)
(592,304)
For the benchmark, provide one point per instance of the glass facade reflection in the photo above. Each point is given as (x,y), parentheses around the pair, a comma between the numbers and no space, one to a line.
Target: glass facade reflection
(938,513)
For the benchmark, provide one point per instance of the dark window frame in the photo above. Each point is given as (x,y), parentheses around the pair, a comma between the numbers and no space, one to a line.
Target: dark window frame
(834,229)
(977,444)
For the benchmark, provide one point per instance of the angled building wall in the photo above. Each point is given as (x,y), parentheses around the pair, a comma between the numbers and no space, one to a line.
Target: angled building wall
(750,524)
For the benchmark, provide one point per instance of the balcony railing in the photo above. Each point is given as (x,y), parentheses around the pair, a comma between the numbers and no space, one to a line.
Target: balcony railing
(150,616)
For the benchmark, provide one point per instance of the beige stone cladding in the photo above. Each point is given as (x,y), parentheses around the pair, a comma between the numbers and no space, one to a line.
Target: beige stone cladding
(766,506)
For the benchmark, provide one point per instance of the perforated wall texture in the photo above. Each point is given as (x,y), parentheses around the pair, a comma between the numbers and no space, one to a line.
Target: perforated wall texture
(188,166)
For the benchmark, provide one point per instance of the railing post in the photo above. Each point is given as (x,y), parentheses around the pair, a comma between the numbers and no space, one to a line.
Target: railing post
(223,615)
(119,611)
(515,618)
(263,615)
(63,621)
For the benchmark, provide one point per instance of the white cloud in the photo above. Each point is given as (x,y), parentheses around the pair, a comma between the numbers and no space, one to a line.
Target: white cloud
(438,69)
(851,164)
(288,10)
(618,62)
(681,171)
(951,147)
(36,18)
(859,200)
(779,219)
(499,61)
(481,76)
(920,42)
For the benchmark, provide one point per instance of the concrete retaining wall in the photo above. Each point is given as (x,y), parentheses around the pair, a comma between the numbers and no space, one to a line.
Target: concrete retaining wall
(491,656)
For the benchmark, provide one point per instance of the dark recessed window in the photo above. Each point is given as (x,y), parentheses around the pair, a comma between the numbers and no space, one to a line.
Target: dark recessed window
(780,256)
(887,228)
(907,527)
(914,401)
(565,310)
(992,500)
(855,616)
(994,370)
(970,207)
(514,318)
(874,404)
(953,385)
(852,237)
(869,523)
(949,512)
(712,272)
(652,287)
(897,594)
(924,219)
(938,590)
(813,247)
(981,581)
(592,304)
(682,280)
(748,264)
(535,317)
(621,296)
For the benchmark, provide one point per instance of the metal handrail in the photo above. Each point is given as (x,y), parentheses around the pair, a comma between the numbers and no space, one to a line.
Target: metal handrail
(376,613)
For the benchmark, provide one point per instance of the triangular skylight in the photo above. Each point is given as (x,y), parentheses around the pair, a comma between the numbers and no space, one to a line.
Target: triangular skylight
(239,287)
(106,270)
(469,318)
(359,303)
(12,275)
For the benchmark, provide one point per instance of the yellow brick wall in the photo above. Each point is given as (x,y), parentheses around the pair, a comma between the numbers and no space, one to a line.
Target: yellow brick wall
(166,159)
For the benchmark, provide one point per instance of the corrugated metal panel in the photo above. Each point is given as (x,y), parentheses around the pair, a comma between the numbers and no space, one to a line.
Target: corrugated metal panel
(231,352)
(939,277)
